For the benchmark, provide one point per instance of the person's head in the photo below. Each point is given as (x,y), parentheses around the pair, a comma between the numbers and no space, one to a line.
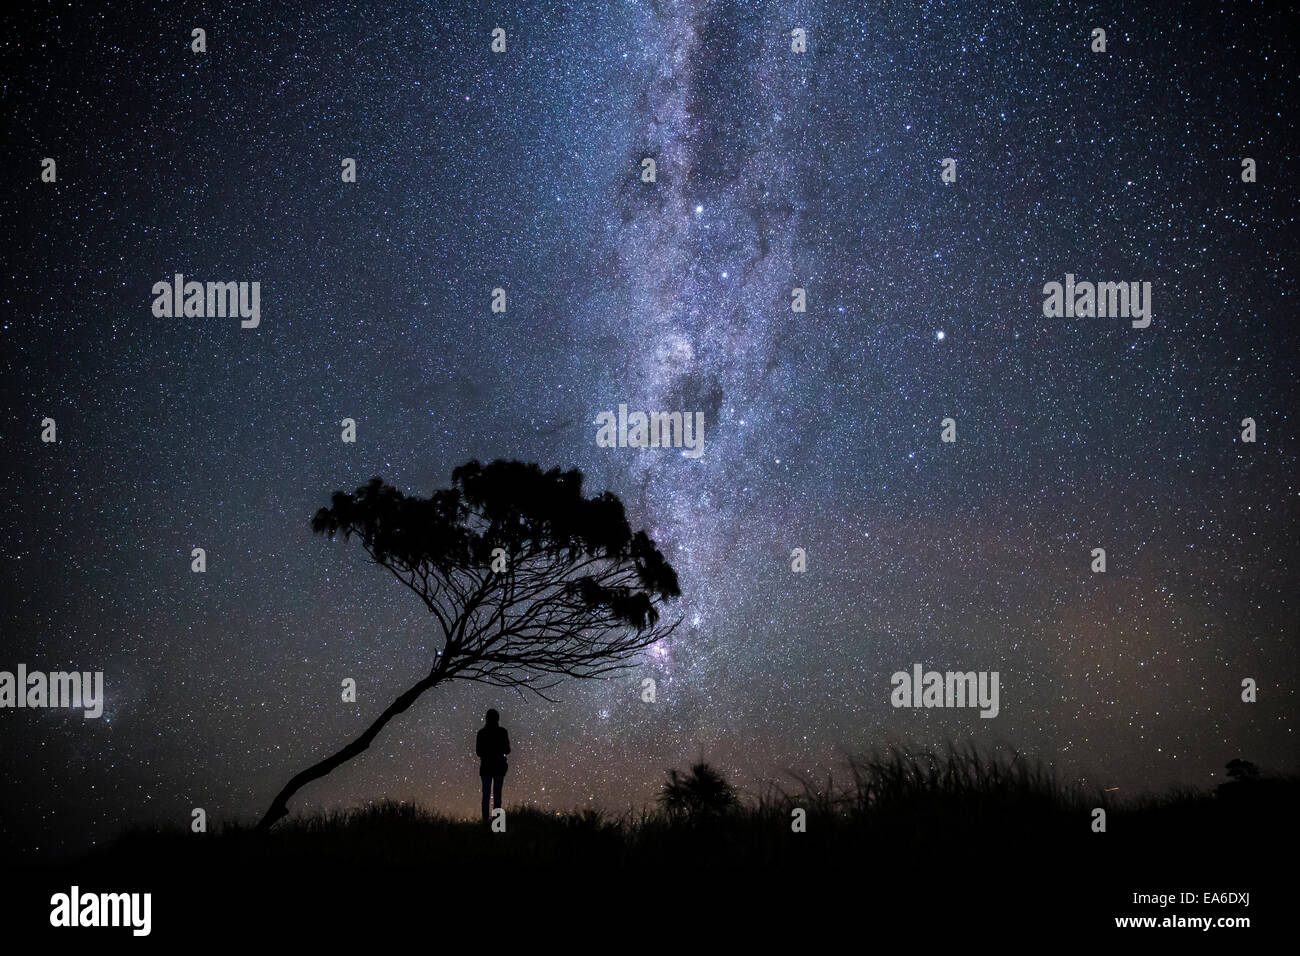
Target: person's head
(493,718)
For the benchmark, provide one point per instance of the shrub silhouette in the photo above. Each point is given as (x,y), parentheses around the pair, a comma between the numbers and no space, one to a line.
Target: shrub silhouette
(699,795)
(1242,770)
(1247,784)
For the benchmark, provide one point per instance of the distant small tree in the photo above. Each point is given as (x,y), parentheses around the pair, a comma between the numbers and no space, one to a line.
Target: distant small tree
(1242,770)
(1243,781)
(701,794)
(526,580)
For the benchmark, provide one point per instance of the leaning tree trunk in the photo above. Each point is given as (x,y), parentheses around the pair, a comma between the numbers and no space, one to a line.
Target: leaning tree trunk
(280,805)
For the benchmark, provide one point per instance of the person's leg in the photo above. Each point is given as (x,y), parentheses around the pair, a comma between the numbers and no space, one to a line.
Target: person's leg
(496,789)
(487,792)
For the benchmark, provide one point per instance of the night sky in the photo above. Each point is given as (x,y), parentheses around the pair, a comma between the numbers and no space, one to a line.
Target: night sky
(521,170)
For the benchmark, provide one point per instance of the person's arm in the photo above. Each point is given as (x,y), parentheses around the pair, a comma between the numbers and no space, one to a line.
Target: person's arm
(478,744)
(505,738)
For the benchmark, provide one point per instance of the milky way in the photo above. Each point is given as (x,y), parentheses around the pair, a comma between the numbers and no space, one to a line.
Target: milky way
(707,258)
(775,170)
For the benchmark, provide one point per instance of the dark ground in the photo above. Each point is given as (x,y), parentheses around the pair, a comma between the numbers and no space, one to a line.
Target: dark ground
(991,858)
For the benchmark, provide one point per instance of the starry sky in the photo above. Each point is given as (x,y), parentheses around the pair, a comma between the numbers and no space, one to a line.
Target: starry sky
(521,170)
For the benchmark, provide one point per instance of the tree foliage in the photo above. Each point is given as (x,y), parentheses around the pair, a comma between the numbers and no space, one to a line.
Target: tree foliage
(580,591)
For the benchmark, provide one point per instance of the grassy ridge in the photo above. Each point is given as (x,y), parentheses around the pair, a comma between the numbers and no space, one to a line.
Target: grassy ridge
(905,804)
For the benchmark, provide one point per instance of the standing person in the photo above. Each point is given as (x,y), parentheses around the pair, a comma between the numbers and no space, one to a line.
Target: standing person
(491,746)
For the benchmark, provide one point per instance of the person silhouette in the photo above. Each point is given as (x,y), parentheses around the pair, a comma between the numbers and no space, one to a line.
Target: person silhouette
(491,747)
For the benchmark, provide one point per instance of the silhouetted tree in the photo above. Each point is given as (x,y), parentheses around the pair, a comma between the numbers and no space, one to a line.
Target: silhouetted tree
(575,594)
(1242,770)
(1243,781)
(703,793)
